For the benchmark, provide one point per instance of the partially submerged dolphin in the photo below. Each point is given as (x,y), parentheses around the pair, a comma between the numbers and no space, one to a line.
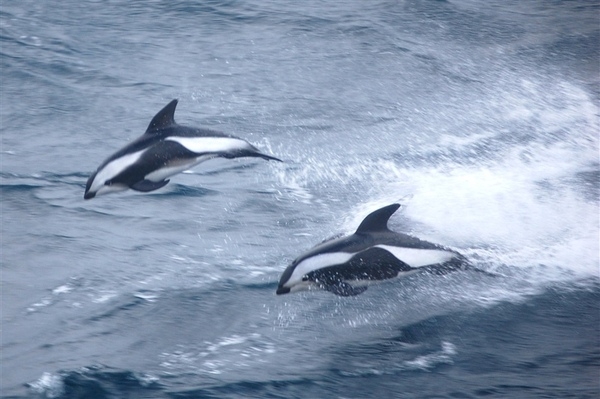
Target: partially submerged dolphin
(163,151)
(345,266)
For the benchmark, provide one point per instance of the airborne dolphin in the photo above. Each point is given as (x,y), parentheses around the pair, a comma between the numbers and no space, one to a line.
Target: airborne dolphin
(345,266)
(164,150)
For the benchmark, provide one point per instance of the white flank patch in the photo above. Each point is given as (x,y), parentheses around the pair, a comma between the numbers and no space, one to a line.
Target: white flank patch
(113,168)
(201,145)
(167,171)
(415,257)
(315,263)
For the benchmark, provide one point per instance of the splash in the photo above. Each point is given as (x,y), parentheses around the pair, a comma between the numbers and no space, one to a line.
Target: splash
(517,187)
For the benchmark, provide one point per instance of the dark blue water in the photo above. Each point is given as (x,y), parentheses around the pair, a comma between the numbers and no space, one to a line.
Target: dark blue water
(481,118)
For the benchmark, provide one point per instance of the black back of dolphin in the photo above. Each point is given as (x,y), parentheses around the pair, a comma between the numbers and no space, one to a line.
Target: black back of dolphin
(373,229)
(163,125)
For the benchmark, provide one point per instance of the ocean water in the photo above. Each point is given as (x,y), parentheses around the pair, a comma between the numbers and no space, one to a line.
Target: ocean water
(481,118)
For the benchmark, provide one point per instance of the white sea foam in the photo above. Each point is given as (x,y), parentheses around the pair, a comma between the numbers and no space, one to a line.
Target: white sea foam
(50,385)
(425,362)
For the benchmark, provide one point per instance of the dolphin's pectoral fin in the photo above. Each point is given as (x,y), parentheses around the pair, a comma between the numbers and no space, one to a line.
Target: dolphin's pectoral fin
(342,288)
(147,185)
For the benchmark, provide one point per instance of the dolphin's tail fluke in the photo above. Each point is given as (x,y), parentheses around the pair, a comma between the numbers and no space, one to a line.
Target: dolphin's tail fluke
(268,157)
(255,153)
(485,272)
(459,263)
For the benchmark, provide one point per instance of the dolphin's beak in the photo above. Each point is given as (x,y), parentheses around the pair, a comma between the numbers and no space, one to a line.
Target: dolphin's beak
(282,290)
(88,185)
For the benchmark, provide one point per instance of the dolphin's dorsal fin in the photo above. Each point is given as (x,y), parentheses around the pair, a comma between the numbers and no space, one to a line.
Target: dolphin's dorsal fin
(164,118)
(377,221)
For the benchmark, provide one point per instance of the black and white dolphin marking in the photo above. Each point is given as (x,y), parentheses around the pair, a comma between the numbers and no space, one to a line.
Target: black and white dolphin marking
(164,150)
(345,266)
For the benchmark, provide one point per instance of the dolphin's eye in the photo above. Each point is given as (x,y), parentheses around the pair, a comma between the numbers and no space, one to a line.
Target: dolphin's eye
(108,183)
(304,278)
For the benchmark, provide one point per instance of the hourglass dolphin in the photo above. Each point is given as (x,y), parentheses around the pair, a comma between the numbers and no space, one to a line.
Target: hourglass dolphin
(345,266)
(165,149)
